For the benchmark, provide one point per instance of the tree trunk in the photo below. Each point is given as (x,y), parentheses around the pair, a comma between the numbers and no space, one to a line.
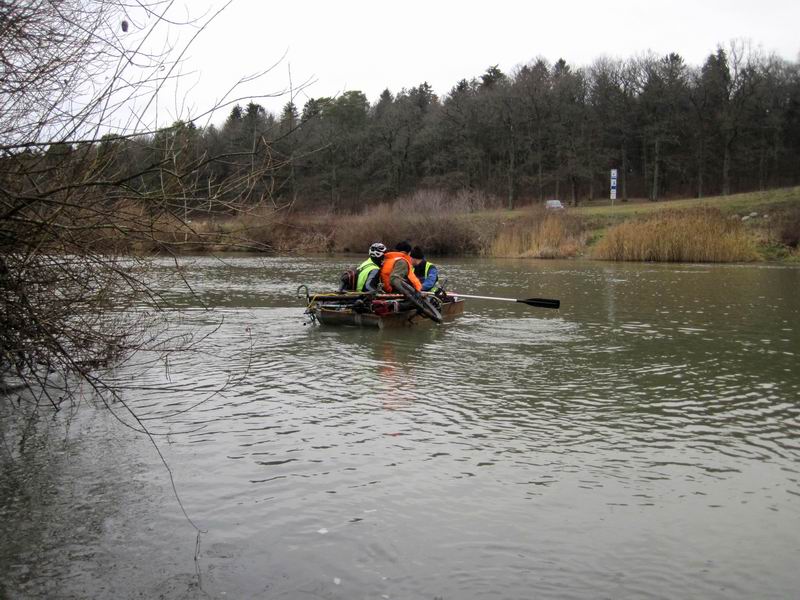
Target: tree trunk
(623,176)
(656,161)
(726,170)
(645,170)
(292,179)
(511,176)
(395,179)
(394,169)
(541,180)
(775,174)
(334,185)
(540,166)
(701,168)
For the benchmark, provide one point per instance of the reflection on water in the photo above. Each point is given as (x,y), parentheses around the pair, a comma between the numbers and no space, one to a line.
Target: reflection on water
(640,442)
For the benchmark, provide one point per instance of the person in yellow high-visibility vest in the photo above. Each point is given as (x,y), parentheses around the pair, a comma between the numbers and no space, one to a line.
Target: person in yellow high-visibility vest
(426,271)
(368,272)
(366,276)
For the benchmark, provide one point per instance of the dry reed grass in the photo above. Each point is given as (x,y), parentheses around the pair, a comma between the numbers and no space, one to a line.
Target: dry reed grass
(539,234)
(697,235)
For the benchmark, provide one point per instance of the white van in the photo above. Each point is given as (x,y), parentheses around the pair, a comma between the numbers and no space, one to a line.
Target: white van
(553,205)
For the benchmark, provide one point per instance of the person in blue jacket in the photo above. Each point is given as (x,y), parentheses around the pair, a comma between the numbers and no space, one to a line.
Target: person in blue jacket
(426,271)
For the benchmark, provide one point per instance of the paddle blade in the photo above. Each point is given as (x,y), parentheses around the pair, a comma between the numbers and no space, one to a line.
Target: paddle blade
(542,302)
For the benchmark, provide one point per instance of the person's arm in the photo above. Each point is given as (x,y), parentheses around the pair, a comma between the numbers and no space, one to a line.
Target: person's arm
(344,282)
(412,278)
(398,275)
(431,279)
(373,279)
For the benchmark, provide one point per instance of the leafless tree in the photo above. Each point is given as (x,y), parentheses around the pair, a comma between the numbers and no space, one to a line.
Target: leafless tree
(85,177)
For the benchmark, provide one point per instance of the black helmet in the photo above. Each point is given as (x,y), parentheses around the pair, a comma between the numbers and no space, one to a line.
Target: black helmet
(377,250)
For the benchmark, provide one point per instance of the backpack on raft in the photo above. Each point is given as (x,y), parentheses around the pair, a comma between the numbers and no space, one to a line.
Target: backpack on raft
(348,280)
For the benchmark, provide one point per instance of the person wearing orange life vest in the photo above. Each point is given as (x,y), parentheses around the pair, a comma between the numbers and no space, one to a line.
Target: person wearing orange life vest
(397,268)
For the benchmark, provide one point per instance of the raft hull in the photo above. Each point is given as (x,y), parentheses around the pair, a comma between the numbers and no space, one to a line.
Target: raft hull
(406,318)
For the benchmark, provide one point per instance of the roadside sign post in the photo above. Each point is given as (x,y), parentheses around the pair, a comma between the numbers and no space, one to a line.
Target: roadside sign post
(613,186)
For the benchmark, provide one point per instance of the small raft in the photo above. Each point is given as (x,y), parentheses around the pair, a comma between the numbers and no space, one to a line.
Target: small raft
(378,310)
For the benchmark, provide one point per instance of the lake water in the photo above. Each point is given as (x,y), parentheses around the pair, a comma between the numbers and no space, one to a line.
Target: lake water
(643,441)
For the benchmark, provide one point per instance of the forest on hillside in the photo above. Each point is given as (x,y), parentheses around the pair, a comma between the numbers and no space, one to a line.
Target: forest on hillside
(671,129)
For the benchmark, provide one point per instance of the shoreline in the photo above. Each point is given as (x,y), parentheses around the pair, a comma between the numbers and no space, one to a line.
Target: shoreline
(759,226)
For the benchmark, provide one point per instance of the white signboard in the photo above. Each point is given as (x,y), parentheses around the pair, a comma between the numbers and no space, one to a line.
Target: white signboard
(613,185)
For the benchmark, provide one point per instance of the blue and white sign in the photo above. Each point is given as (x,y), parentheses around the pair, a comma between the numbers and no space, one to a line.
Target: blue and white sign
(613,184)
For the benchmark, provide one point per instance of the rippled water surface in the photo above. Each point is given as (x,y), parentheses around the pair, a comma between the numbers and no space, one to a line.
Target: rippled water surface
(643,441)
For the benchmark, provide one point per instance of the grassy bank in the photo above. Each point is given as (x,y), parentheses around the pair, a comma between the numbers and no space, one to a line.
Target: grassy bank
(741,204)
(740,227)
(737,228)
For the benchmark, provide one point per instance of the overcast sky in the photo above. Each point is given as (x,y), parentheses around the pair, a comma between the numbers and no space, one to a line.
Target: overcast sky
(372,45)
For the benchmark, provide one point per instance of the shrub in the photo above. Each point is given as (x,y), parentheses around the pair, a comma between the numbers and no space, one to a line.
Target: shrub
(429,219)
(789,228)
